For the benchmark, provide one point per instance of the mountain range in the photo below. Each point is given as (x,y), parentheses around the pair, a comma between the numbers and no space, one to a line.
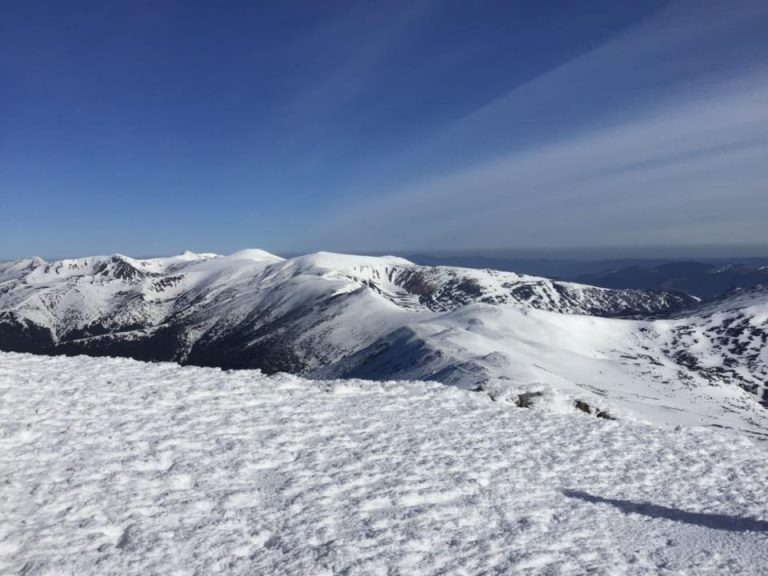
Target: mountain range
(662,355)
(704,278)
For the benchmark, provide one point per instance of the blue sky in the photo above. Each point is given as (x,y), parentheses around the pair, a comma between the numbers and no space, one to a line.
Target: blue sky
(154,127)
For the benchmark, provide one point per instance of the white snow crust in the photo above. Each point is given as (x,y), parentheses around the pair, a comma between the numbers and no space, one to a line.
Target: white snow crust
(112,466)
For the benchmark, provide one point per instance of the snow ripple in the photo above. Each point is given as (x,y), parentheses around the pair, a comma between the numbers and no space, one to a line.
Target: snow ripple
(111,466)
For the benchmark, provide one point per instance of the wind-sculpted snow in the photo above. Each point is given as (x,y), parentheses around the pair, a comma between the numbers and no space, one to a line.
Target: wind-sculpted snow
(111,466)
(659,355)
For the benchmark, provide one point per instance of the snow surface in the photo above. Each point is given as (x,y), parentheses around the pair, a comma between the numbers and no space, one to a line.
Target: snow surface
(112,466)
(613,364)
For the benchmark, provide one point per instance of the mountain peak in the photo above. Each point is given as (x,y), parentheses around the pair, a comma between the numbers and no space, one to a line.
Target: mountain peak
(255,254)
(343,262)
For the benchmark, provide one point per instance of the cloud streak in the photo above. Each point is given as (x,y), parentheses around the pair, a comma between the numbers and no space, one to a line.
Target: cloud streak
(685,162)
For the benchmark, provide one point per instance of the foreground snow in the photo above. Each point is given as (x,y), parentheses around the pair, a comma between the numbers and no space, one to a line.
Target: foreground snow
(117,467)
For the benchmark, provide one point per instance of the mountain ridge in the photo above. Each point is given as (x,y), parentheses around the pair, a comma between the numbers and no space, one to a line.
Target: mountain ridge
(332,315)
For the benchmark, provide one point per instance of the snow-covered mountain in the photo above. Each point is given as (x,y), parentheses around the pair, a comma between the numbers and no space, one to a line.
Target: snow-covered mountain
(657,354)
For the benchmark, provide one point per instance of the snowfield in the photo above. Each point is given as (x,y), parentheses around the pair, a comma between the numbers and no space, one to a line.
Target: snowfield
(113,466)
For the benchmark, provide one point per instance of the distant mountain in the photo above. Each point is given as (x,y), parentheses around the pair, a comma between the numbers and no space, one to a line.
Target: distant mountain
(657,354)
(705,279)
(697,278)
(254,309)
(559,268)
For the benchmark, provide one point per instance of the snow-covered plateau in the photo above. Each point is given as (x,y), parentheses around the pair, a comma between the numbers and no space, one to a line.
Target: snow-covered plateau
(114,466)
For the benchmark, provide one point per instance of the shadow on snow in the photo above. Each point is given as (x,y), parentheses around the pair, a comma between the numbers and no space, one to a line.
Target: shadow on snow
(716,521)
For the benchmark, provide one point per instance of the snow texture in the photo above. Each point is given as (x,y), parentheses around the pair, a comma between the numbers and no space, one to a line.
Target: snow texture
(112,466)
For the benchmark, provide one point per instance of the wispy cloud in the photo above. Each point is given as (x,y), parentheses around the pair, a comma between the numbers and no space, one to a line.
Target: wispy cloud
(681,156)
(367,34)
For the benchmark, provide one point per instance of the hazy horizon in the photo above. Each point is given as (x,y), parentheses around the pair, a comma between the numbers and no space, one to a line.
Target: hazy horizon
(580,253)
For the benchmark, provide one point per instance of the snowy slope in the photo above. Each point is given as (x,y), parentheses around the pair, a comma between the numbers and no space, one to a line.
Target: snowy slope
(253,309)
(629,368)
(630,353)
(71,300)
(111,466)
